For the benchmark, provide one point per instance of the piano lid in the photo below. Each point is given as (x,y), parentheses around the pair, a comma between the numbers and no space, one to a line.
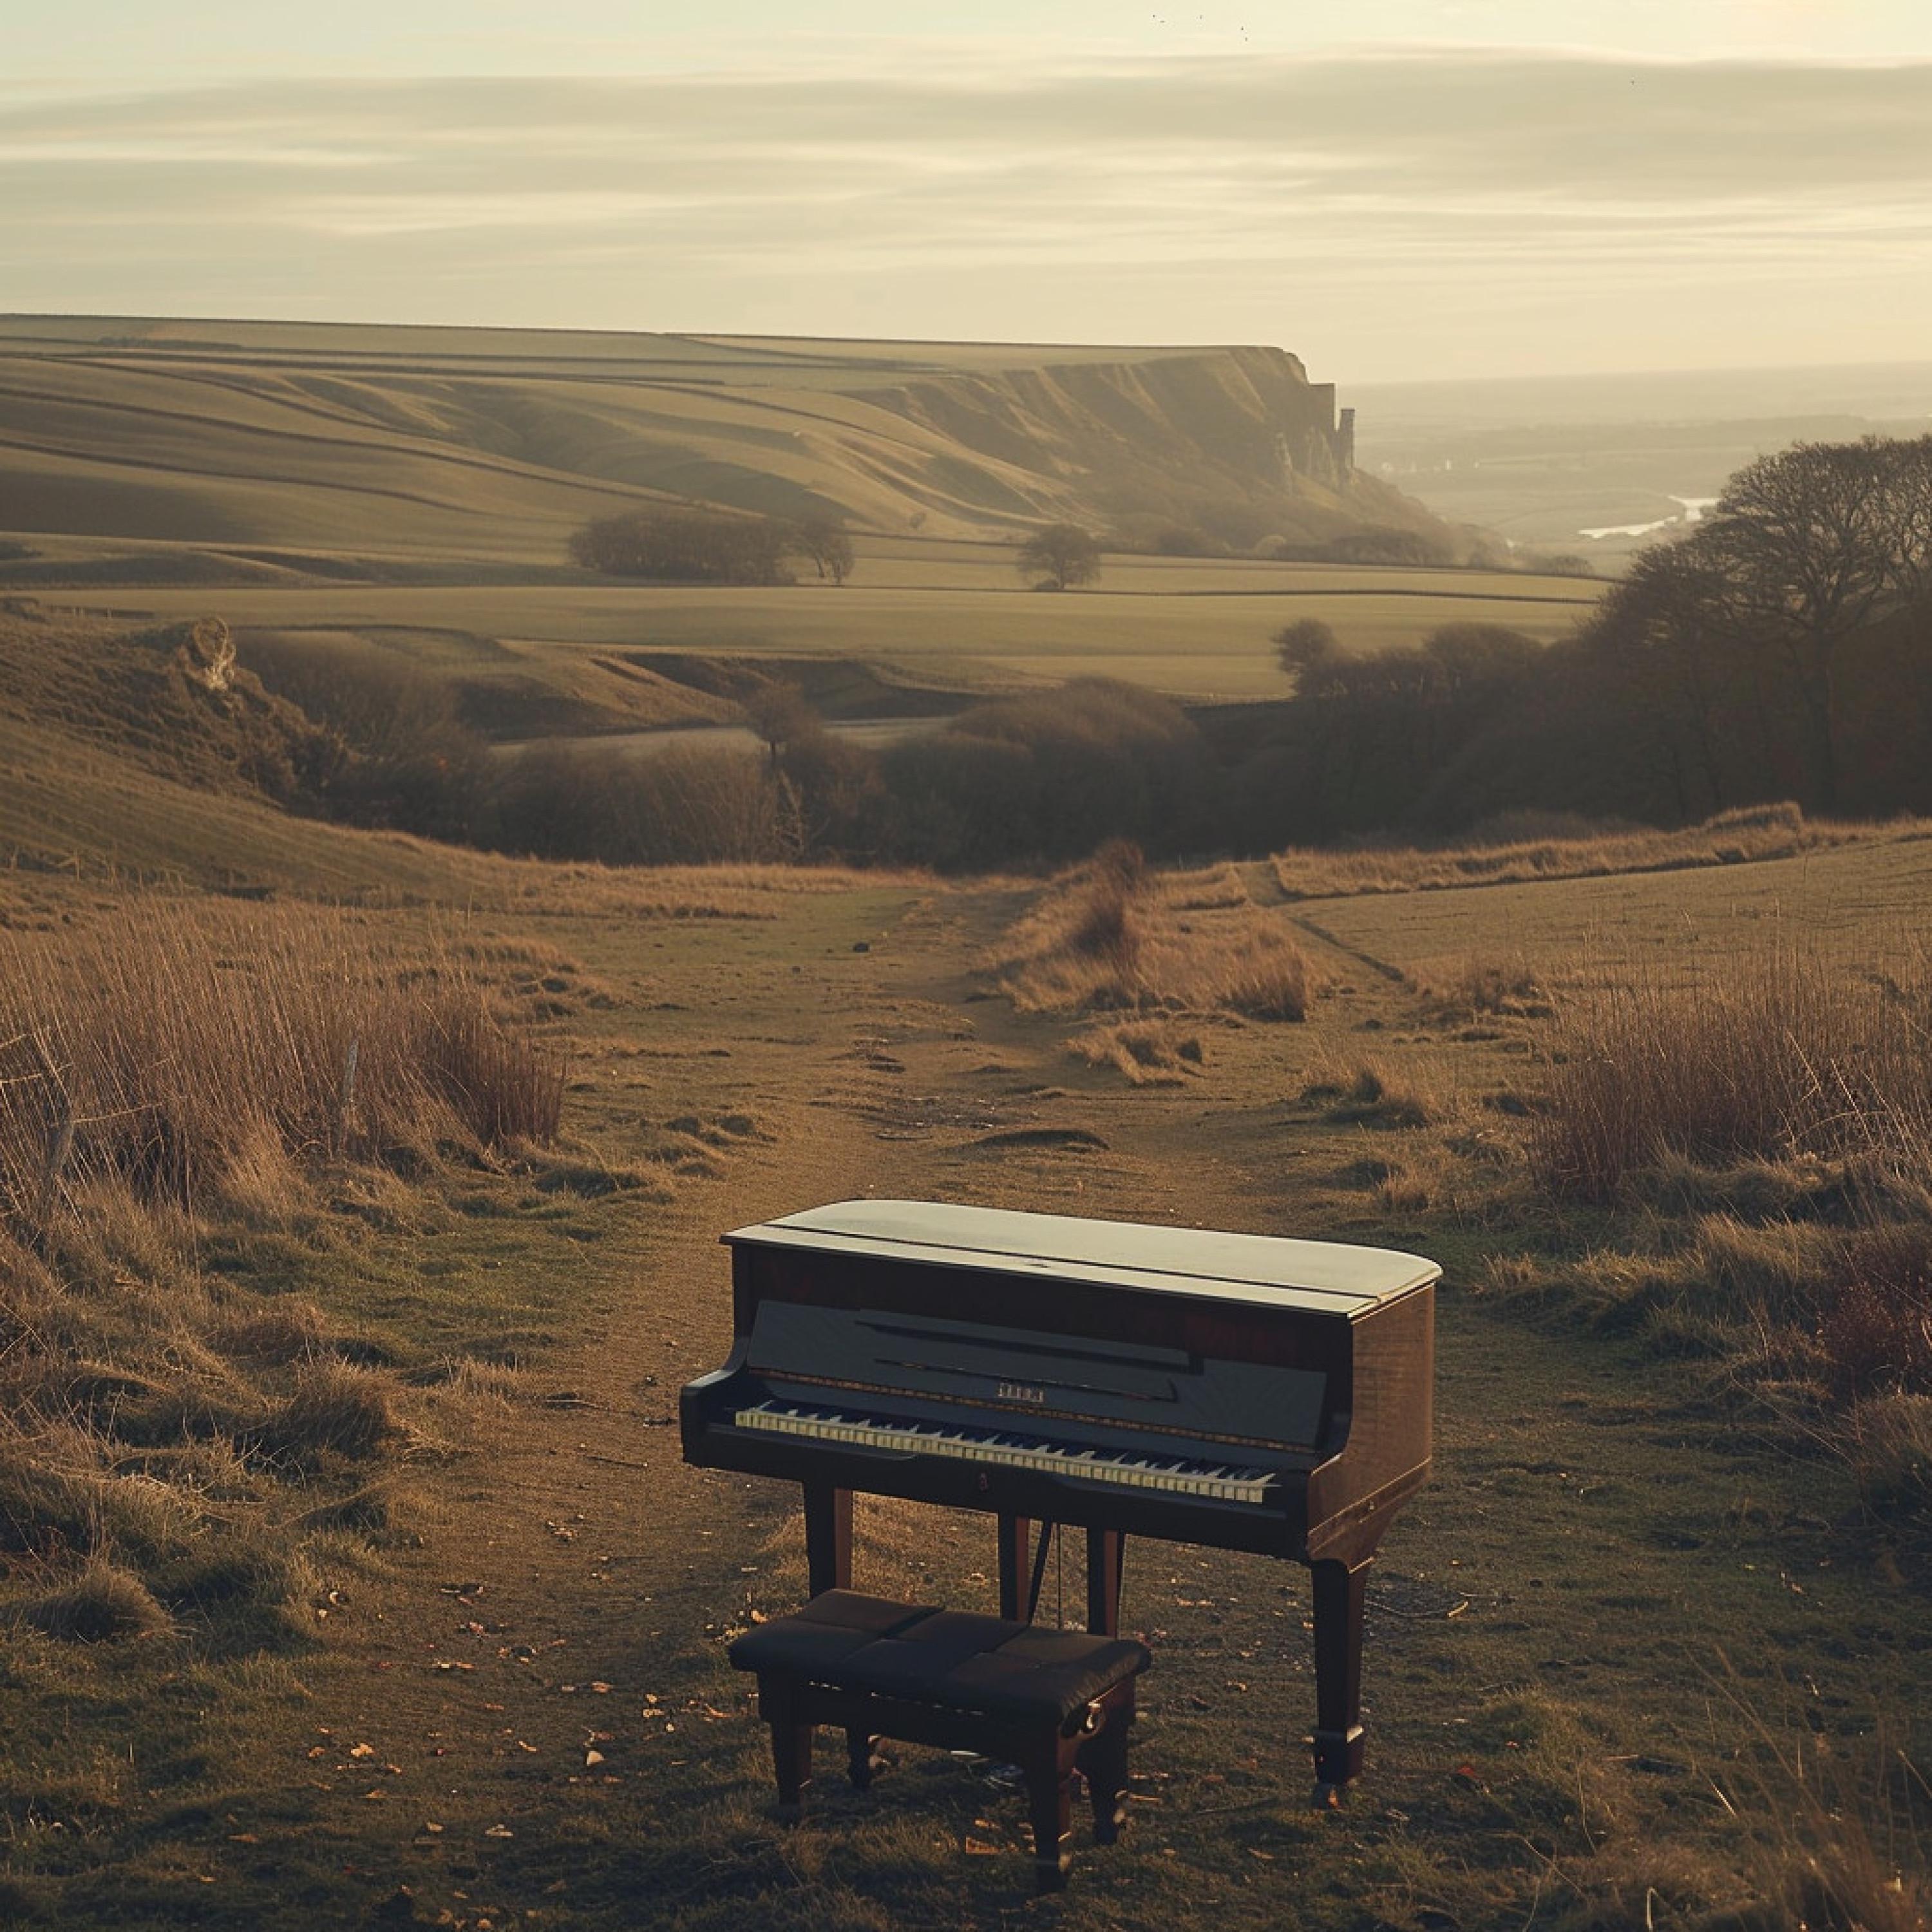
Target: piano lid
(1324,1277)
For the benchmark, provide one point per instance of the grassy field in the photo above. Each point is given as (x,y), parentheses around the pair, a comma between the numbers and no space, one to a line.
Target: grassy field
(1636,1657)
(1193,642)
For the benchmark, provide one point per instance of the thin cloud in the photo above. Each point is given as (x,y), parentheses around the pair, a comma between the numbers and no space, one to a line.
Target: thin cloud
(1502,186)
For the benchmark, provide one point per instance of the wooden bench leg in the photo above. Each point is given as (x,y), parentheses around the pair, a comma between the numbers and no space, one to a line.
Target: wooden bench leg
(791,1750)
(1103,1762)
(1049,1793)
(861,1761)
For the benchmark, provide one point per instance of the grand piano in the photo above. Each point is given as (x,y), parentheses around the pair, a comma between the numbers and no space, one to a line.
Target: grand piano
(1239,1391)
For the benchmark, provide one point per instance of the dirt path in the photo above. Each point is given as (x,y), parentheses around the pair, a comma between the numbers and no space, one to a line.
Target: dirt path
(553,1737)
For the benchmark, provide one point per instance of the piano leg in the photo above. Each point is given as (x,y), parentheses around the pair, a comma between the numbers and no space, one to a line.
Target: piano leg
(1015,1535)
(1338,1588)
(828,1538)
(1104,1549)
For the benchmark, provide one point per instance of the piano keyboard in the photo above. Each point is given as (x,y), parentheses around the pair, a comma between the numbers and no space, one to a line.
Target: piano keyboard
(1181,1475)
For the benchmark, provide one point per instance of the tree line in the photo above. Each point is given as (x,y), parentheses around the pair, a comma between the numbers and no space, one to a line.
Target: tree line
(1781,649)
(677,544)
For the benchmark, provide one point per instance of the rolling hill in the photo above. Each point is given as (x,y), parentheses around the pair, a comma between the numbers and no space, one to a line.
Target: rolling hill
(146,451)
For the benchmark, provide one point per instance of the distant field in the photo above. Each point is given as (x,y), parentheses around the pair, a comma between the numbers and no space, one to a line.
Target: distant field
(1864,902)
(1185,644)
(417,489)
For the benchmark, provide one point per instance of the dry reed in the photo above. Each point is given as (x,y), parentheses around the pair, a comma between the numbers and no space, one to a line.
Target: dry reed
(175,1049)
(1787,1058)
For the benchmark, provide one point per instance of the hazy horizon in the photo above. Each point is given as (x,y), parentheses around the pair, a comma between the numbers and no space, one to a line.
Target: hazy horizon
(1489,188)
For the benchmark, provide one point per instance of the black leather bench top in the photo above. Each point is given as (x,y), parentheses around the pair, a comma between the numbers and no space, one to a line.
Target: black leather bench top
(951,1658)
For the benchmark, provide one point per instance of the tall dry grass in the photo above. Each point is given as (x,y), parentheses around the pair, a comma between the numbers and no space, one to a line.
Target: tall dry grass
(173,1047)
(177,1071)
(1787,1057)
(1769,1135)
(1111,936)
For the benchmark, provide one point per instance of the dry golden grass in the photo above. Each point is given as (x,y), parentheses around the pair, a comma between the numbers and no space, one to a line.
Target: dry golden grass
(1109,936)
(1749,834)
(177,1048)
(1150,1053)
(1788,1058)
(175,1074)
(1367,1093)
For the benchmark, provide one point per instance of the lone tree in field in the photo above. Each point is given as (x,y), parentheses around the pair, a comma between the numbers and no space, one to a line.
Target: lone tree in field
(1063,554)
(828,546)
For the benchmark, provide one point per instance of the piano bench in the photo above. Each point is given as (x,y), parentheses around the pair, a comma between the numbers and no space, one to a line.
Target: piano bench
(1045,1700)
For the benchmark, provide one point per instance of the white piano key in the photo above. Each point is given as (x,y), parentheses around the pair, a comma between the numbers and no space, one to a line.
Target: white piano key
(1219,1481)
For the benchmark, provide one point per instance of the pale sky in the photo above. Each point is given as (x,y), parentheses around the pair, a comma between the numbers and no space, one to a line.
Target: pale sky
(1391,188)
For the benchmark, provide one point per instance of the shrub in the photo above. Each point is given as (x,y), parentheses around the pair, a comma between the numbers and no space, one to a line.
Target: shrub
(674,545)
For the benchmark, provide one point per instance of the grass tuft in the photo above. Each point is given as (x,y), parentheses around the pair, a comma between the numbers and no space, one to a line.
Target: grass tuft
(103,1604)
(334,1411)
(1370,1095)
(1109,936)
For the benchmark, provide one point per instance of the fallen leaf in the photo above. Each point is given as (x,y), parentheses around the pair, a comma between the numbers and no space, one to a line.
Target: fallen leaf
(361,1751)
(499,1831)
(591,1757)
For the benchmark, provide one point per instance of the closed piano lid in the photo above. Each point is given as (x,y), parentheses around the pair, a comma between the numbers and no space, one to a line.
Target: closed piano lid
(1325,1276)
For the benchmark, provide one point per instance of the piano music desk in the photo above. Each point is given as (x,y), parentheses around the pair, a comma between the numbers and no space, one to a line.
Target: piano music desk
(1245,1392)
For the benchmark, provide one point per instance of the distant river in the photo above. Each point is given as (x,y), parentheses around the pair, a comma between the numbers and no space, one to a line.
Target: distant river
(1693,512)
